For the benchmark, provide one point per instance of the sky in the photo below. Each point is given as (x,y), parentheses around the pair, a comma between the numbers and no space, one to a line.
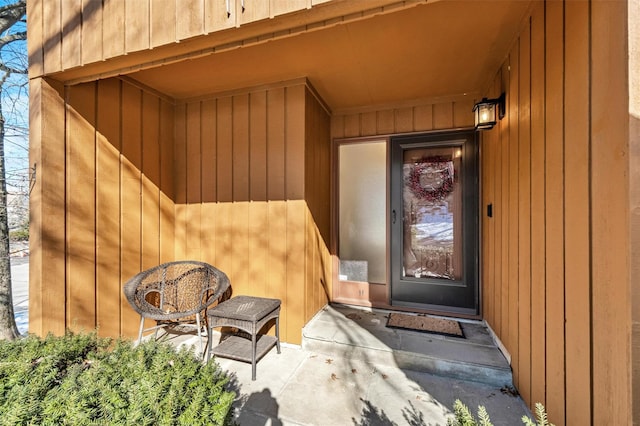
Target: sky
(14,100)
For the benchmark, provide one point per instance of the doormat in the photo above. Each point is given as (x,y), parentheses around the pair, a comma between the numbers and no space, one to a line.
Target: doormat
(425,324)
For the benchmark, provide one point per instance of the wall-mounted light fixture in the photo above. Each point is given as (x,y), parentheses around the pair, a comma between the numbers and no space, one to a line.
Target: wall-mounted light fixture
(488,111)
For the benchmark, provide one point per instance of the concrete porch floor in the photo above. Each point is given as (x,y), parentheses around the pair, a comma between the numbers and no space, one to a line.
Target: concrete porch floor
(358,333)
(353,370)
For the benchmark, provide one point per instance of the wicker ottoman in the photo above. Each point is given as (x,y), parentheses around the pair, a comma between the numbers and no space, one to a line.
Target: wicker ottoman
(249,314)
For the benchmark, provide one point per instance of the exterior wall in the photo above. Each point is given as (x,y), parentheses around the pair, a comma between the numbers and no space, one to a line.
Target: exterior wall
(46,211)
(133,181)
(79,32)
(125,179)
(634,192)
(318,164)
(421,117)
(120,189)
(102,206)
(317,176)
(555,264)
(97,39)
(244,165)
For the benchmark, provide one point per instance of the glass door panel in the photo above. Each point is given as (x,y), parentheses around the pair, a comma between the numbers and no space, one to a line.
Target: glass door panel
(434,222)
(432,213)
(362,187)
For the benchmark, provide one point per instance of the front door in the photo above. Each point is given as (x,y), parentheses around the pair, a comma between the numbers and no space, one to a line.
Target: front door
(434,222)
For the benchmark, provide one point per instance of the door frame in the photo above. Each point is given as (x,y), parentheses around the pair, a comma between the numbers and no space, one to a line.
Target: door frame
(470,222)
(379,294)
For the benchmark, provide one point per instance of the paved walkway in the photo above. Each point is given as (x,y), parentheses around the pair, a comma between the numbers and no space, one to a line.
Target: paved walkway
(308,387)
(20,291)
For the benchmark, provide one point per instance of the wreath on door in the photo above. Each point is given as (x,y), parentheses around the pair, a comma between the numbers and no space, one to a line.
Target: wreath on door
(432,178)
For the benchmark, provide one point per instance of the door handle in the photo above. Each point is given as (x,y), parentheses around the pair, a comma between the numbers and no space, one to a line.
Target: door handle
(393,216)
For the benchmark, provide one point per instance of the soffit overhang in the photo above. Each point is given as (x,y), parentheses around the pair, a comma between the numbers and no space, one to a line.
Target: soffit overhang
(442,49)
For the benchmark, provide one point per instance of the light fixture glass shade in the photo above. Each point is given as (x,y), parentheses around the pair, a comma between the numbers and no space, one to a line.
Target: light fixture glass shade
(485,114)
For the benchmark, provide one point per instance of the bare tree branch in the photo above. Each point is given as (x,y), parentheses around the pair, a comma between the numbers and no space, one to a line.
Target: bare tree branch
(12,61)
(9,38)
(12,13)
(10,70)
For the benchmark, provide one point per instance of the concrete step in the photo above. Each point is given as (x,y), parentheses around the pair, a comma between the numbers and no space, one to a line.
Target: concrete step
(361,334)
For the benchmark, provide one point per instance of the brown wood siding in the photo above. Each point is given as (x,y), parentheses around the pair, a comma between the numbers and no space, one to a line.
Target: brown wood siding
(538,286)
(243,162)
(633,20)
(513,229)
(554,210)
(80,202)
(108,208)
(71,39)
(318,196)
(104,212)
(125,178)
(418,118)
(113,36)
(91,31)
(576,171)
(64,34)
(137,26)
(34,42)
(47,209)
(554,168)
(163,30)
(524,219)
(167,190)
(130,199)
(51,43)
(609,198)
(318,163)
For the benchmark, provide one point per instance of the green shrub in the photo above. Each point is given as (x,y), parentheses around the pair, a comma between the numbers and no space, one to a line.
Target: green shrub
(541,417)
(464,417)
(82,379)
(21,234)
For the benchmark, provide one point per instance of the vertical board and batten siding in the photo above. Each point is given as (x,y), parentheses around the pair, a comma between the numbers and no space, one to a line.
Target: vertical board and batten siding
(609,202)
(35,53)
(105,211)
(47,208)
(538,342)
(555,261)
(65,34)
(524,180)
(576,170)
(407,119)
(113,36)
(554,169)
(108,146)
(555,188)
(633,20)
(249,199)
(80,203)
(318,195)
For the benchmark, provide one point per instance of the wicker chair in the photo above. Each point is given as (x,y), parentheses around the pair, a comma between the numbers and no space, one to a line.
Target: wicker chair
(176,293)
